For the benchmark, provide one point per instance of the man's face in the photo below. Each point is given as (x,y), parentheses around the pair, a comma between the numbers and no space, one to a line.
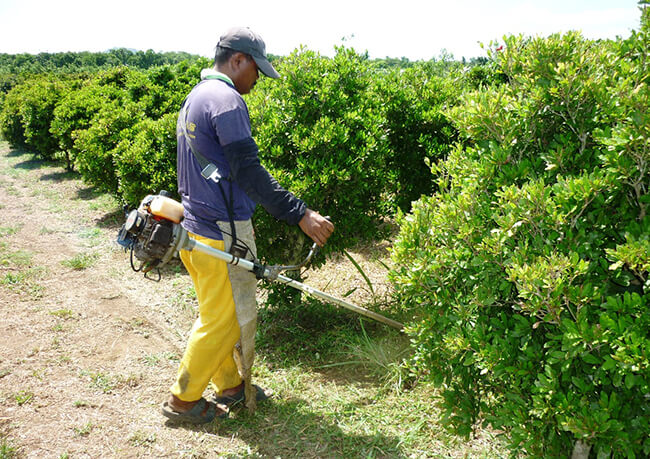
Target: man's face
(246,75)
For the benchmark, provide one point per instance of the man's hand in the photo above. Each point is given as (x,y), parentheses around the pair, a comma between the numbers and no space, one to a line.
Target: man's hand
(317,227)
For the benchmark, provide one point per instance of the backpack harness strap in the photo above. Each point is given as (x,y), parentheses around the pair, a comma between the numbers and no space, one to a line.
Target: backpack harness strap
(210,171)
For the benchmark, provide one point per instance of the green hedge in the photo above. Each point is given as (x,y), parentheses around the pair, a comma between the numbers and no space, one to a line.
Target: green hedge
(348,137)
(413,103)
(28,113)
(351,140)
(146,159)
(528,271)
(319,132)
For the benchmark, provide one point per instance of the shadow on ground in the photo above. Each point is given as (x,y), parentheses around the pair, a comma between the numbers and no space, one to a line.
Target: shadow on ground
(111,220)
(89,193)
(17,151)
(287,428)
(59,176)
(33,161)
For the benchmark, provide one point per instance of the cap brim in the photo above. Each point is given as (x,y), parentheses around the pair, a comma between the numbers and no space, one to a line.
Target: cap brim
(265,67)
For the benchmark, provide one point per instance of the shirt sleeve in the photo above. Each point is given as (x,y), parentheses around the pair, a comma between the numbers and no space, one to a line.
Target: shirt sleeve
(259,185)
(232,125)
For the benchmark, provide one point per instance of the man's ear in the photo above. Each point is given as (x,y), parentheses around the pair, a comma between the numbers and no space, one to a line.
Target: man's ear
(237,59)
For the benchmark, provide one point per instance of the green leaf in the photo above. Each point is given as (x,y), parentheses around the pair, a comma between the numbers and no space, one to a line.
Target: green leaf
(469,359)
(579,383)
(591,359)
(609,363)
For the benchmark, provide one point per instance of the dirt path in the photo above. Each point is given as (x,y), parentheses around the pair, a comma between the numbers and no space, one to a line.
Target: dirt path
(86,354)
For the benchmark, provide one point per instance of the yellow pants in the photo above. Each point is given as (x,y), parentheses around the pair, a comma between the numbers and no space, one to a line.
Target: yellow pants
(209,353)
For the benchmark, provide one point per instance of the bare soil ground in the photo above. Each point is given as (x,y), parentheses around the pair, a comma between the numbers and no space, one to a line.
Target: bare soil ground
(88,349)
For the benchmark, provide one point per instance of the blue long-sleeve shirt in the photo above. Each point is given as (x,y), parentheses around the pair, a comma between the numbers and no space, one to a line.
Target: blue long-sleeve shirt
(217,122)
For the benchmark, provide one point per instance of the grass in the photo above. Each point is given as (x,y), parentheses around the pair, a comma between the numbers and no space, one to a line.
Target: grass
(108,383)
(16,258)
(131,380)
(90,233)
(11,190)
(12,279)
(7,450)
(81,261)
(343,391)
(22,397)
(24,281)
(101,201)
(141,438)
(383,358)
(185,300)
(154,360)
(361,271)
(83,404)
(63,313)
(9,230)
(101,381)
(39,373)
(50,194)
(341,414)
(63,359)
(140,326)
(91,237)
(85,429)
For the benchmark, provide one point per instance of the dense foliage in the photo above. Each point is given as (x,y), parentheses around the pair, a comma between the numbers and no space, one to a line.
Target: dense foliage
(346,136)
(28,114)
(86,61)
(529,268)
(351,139)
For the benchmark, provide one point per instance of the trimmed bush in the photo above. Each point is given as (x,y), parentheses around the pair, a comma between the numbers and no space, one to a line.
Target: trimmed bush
(320,134)
(528,269)
(73,114)
(91,122)
(416,129)
(146,159)
(11,126)
(27,114)
(95,146)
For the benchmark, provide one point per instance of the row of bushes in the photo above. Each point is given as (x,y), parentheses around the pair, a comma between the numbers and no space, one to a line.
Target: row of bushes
(529,268)
(345,135)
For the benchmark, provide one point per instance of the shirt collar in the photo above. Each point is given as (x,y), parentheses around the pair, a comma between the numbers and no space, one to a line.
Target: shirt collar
(212,74)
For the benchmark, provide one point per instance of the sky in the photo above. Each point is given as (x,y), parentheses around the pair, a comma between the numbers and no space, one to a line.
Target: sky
(394,28)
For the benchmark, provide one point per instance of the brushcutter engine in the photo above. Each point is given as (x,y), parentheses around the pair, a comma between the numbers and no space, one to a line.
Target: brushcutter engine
(152,232)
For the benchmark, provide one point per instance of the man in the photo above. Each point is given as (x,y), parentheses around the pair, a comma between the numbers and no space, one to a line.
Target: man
(220,180)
